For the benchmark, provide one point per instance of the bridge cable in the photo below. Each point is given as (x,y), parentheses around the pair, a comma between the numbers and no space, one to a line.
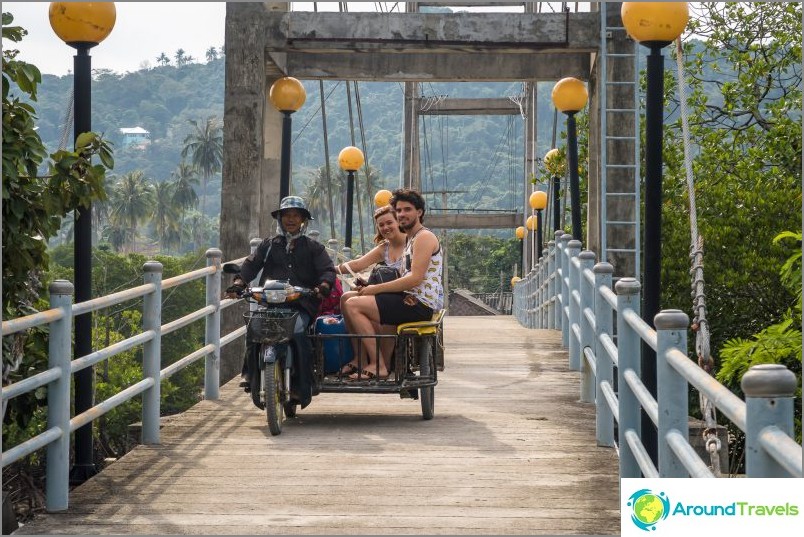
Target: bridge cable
(343,7)
(700,324)
(366,169)
(330,207)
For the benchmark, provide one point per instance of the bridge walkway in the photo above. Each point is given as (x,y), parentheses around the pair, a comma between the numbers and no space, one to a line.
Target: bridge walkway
(511,450)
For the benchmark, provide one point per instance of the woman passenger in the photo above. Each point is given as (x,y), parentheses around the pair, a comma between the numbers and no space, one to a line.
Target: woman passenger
(390,247)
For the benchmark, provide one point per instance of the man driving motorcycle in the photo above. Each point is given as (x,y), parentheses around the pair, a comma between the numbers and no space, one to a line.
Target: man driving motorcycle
(289,255)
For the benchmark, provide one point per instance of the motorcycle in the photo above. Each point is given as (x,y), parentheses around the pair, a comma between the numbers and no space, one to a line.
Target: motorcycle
(270,326)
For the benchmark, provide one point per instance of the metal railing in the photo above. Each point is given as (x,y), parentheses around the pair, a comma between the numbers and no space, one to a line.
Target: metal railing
(603,331)
(57,377)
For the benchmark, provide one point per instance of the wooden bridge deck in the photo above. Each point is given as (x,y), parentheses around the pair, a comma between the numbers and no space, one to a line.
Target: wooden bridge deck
(510,451)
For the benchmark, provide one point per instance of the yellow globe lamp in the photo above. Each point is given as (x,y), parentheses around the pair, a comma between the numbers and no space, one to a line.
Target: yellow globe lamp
(87,23)
(570,95)
(655,22)
(514,280)
(538,200)
(382,198)
(551,157)
(287,94)
(531,223)
(350,158)
(520,232)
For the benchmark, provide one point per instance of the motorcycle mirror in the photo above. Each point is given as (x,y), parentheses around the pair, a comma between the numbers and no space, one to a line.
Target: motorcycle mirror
(231,268)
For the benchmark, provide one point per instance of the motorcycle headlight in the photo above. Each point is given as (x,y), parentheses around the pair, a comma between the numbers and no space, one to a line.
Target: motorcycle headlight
(274,296)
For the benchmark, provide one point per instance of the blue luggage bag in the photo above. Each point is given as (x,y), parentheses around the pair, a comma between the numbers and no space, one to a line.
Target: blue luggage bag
(337,351)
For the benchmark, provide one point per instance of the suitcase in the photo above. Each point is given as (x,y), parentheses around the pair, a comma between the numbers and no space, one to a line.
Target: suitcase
(337,351)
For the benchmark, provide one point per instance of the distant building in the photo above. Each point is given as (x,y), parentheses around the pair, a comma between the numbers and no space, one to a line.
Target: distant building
(135,136)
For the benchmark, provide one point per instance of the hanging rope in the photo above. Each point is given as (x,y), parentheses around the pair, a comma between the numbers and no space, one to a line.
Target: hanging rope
(700,324)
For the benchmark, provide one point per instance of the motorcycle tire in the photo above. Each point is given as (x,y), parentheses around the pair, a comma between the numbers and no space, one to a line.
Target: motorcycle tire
(273,380)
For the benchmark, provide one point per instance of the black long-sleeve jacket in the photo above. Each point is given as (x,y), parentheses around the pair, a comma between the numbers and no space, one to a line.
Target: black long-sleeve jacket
(306,265)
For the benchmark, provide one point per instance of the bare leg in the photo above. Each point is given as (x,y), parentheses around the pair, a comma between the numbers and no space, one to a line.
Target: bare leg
(364,315)
(387,344)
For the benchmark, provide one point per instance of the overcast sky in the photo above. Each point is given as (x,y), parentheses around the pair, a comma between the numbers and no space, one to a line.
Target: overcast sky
(144,30)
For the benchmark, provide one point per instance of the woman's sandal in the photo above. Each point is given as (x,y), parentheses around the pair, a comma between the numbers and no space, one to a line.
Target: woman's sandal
(349,369)
(368,375)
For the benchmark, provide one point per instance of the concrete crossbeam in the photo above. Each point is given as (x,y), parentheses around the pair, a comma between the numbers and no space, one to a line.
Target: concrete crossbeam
(474,221)
(470,107)
(438,67)
(428,33)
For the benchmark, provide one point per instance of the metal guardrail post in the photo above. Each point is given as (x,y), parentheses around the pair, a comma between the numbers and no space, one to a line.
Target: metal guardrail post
(212,362)
(672,389)
(332,245)
(543,277)
(551,285)
(573,251)
(565,292)
(557,276)
(587,291)
(769,390)
(604,419)
(151,352)
(533,293)
(628,357)
(57,480)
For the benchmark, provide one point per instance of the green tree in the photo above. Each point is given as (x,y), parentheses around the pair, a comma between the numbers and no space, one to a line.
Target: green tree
(132,201)
(166,214)
(212,54)
(745,127)
(204,146)
(185,180)
(32,209)
(163,59)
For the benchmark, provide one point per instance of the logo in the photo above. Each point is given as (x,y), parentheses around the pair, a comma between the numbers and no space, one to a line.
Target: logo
(648,508)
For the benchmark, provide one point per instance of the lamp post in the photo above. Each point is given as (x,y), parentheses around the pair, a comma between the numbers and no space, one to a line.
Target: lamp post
(350,159)
(287,95)
(570,96)
(654,25)
(520,234)
(553,165)
(532,224)
(82,25)
(538,201)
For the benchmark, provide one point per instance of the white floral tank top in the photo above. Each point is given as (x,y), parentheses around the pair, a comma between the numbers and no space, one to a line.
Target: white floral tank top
(430,291)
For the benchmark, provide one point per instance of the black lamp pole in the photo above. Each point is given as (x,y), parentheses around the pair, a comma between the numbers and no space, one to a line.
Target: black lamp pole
(556,203)
(350,194)
(284,170)
(653,225)
(575,189)
(84,464)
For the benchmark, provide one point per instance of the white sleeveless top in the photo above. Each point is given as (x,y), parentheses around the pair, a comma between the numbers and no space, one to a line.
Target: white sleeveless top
(430,291)
(398,264)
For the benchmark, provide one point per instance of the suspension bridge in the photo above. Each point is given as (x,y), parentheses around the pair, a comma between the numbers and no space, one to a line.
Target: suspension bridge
(537,414)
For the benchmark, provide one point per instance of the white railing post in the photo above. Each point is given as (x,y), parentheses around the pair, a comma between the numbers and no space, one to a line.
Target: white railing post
(558,275)
(57,482)
(769,391)
(671,395)
(550,298)
(573,251)
(587,302)
(565,290)
(629,346)
(212,363)
(151,352)
(604,418)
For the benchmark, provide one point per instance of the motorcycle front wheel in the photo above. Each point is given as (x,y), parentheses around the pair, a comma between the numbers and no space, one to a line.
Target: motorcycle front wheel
(272,383)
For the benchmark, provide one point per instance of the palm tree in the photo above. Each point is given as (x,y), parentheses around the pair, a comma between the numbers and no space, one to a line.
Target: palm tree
(205,148)
(132,202)
(212,54)
(163,59)
(165,215)
(185,179)
(180,57)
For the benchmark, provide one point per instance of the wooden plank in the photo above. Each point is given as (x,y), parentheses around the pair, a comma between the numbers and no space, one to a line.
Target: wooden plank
(510,451)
